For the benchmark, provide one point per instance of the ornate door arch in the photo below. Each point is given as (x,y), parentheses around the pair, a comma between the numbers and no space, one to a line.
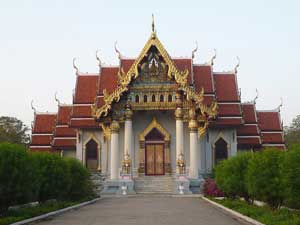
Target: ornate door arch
(155,134)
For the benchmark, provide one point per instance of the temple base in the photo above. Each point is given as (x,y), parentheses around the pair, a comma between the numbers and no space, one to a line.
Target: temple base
(196,185)
(123,186)
(182,185)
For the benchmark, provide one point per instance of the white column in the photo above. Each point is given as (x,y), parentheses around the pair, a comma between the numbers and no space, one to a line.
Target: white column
(194,157)
(114,153)
(179,137)
(128,145)
(194,149)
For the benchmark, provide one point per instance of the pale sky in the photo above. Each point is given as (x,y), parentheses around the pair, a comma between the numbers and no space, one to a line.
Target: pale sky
(39,39)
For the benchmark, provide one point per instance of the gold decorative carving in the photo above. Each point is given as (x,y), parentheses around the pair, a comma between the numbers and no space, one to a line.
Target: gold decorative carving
(125,78)
(154,124)
(114,126)
(106,131)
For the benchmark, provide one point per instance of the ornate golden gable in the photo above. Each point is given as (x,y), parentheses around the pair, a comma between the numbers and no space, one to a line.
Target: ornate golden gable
(125,78)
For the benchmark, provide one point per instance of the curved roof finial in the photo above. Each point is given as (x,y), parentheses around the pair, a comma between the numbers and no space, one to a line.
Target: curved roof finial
(117,51)
(195,50)
(56,99)
(153,25)
(256,97)
(99,60)
(211,62)
(32,107)
(237,65)
(281,104)
(74,66)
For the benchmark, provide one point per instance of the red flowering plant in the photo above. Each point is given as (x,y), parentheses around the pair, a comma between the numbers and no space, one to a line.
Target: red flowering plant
(210,189)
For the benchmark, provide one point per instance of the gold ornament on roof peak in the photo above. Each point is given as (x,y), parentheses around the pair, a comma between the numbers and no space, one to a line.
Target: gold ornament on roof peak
(153,25)
(195,50)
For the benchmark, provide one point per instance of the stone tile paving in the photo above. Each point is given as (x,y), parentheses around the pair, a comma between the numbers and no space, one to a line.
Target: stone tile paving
(145,210)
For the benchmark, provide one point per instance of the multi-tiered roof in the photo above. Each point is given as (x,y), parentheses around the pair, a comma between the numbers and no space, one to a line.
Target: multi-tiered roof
(255,129)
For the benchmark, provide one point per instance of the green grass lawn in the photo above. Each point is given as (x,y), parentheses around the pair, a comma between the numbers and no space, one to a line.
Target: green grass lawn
(29,212)
(262,214)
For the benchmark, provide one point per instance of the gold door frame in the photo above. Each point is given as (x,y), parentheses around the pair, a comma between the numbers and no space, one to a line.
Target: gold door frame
(142,146)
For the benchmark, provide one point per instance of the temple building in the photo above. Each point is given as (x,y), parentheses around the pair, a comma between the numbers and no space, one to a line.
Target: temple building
(155,116)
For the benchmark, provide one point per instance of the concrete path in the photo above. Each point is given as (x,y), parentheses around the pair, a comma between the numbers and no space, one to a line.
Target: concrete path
(145,210)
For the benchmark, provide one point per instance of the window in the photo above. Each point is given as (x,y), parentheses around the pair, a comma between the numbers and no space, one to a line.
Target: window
(169,98)
(92,155)
(137,99)
(145,98)
(221,151)
(153,98)
(161,98)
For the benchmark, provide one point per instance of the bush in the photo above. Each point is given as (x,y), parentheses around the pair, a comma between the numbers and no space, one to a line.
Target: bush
(291,177)
(54,176)
(80,183)
(231,175)
(17,177)
(210,189)
(264,178)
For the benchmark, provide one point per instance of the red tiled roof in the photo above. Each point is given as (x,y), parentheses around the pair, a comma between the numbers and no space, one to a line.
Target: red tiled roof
(126,64)
(44,123)
(226,88)
(86,89)
(247,130)
(64,143)
(229,110)
(83,123)
(81,111)
(249,113)
(203,78)
(254,141)
(272,138)
(108,79)
(227,121)
(64,132)
(63,115)
(269,121)
(41,149)
(41,139)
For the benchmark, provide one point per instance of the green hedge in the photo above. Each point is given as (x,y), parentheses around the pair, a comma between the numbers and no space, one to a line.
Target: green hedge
(27,177)
(271,175)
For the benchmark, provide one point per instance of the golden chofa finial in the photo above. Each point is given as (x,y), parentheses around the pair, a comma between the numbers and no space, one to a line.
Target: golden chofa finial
(117,51)
(74,66)
(56,99)
(281,104)
(153,26)
(32,107)
(237,65)
(195,50)
(98,59)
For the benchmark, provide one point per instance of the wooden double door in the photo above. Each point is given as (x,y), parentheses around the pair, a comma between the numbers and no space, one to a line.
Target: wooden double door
(154,159)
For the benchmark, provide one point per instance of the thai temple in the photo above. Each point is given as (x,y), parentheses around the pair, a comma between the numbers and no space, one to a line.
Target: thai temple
(155,123)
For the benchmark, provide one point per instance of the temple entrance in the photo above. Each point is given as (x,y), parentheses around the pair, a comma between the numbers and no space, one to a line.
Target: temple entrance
(92,155)
(154,159)
(154,150)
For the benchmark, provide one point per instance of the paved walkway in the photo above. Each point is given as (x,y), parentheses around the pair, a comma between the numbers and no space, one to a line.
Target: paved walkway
(145,210)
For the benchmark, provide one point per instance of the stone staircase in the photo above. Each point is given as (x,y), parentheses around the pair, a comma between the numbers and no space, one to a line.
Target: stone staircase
(97,178)
(154,184)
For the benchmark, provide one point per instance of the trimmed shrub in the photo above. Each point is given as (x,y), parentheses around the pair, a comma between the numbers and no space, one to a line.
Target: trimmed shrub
(17,177)
(291,177)
(264,178)
(231,175)
(80,183)
(54,176)
(210,189)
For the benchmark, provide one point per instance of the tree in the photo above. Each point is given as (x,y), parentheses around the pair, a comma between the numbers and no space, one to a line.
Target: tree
(292,132)
(231,175)
(13,130)
(291,177)
(17,177)
(264,177)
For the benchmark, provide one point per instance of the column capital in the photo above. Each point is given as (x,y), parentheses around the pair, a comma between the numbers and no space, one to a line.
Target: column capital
(178,114)
(128,112)
(193,125)
(114,126)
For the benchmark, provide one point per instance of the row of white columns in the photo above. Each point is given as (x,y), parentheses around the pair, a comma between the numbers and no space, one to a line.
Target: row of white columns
(128,143)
